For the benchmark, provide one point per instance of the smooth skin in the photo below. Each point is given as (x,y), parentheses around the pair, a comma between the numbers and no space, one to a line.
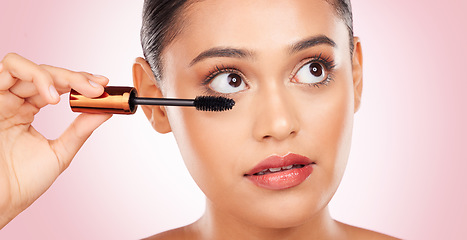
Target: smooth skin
(30,163)
(273,115)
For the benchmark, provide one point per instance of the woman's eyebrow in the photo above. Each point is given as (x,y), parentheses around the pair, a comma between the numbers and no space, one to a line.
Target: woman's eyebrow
(311,42)
(222,52)
(243,53)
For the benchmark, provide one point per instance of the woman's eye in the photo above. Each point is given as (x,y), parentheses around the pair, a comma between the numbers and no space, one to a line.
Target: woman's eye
(227,83)
(313,72)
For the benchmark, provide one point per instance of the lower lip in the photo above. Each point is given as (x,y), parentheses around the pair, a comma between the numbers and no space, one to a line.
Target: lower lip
(283,179)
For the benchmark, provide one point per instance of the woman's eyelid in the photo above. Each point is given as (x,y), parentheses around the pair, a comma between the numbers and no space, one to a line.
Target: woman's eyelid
(326,61)
(218,70)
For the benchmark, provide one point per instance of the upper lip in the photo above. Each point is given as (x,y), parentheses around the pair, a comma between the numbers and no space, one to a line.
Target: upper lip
(276,161)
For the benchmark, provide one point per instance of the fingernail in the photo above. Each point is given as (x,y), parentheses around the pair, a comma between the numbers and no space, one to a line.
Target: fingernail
(53,92)
(1,67)
(94,84)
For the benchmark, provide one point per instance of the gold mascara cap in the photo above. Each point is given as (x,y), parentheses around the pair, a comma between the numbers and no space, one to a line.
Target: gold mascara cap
(113,100)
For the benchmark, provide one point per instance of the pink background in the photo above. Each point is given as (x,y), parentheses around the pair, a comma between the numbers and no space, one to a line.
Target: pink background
(406,173)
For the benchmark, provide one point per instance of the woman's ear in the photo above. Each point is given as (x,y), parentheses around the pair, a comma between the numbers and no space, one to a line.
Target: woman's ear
(357,70)
(145,82)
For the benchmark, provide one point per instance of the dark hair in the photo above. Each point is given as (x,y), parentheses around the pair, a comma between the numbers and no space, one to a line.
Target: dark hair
(162,21)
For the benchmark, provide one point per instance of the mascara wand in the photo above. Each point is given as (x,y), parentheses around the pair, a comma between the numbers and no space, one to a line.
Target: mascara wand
(125,100)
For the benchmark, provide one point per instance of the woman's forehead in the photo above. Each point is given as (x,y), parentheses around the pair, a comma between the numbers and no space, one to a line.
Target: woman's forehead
(243,15)
(259,24)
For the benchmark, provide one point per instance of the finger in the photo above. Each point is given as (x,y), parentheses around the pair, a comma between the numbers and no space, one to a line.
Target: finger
(99,79)
(24,89)
(97,82)
(74,137)
(6,80)
(20,68)
(37,101)
(9,103)
(28,90)
(23,117)
(62,83)
(85,83)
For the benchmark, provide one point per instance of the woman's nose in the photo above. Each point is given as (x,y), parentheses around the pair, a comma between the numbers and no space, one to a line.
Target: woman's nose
(276,116)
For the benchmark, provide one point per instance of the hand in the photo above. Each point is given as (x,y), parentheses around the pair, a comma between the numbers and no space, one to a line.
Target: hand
(30,163)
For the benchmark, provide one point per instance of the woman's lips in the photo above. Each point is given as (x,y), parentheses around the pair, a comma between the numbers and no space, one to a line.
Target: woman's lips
(277,172)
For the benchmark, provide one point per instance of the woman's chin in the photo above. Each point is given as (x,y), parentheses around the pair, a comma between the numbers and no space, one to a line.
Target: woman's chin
(284,220)
(286,214)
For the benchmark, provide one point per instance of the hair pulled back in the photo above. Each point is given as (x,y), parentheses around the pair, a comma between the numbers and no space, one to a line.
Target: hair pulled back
(162,22)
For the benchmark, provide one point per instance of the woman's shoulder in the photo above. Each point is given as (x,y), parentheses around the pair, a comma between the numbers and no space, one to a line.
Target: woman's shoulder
(164,235)
(175,234)
(364,234)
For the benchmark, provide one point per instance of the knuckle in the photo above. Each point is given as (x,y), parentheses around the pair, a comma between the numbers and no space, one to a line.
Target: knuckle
(75,78)
(10,56)
(84,73)
(45,74)
(44,66)
(85,76)
(82,77)
(42,76)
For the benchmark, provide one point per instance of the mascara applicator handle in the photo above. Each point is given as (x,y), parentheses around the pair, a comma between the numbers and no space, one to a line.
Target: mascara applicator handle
(114,100)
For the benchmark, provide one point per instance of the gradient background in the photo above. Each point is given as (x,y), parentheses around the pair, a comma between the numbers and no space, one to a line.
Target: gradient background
(406,173)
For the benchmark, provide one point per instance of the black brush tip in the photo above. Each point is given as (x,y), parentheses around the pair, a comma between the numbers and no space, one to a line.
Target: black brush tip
(215,104)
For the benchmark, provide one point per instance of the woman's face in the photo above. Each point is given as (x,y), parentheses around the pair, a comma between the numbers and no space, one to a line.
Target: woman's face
(287,65)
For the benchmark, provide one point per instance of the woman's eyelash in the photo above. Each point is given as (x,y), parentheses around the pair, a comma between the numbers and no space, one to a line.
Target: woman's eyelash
(216,71)
(327,62)
(325,82)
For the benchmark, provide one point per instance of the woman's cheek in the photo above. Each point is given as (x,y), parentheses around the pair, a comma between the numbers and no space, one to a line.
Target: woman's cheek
(335,130)
(207,143)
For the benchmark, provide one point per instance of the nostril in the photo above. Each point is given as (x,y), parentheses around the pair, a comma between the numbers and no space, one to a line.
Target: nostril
(266,137)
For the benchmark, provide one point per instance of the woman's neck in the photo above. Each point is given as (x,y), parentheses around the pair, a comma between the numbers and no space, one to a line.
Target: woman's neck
(216,224)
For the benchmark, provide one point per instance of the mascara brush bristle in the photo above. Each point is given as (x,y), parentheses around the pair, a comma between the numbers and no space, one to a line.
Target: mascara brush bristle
(215,104)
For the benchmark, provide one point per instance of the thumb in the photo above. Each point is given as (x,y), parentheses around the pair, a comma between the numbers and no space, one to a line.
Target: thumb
(68,144)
